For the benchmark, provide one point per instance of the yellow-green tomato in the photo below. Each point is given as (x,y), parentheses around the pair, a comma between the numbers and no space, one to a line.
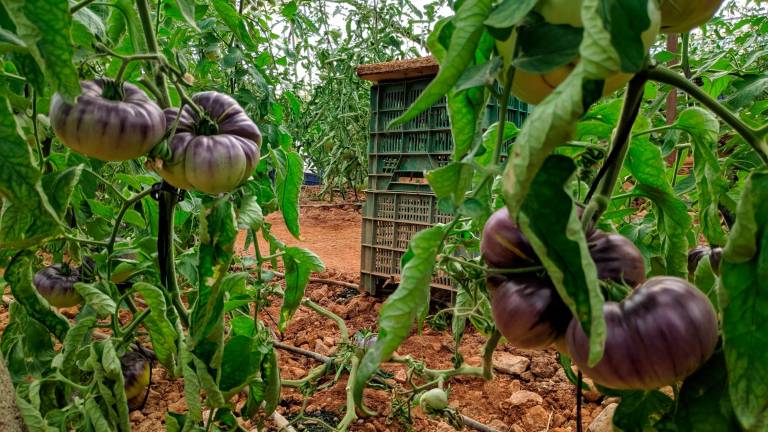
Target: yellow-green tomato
(680,16)
(534,87)
(135,377)
(56,284)
(433,401)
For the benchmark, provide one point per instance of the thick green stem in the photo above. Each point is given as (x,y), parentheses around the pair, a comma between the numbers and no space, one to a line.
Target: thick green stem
(106,182)
(653,130)
(605,180)
(129,329)
(752,136)
(313,375)
(351,414)
(328,314)
(188,101)
(83,241)
(490,347)
(149,35)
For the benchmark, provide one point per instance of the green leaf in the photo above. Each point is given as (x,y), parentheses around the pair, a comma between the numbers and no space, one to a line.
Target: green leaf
(187,8)
(77,336)
(468,28)
(95,416)
(27,215)
(241,364)
(638,410)
(299,264)
(270,373)
(405,305)
(549,220)
(704,404)
(94,297)
(45,25)
(249,215)
(543,47)
(509,13)
(161,331)
(490,138)
(192,389)
(647,166)
(59,187)
(289,174)
(214,398)
(704,129)
(744,304)
(627,20)
(9,42)
(227,12)
(33,420)
(451,181)
(19,277)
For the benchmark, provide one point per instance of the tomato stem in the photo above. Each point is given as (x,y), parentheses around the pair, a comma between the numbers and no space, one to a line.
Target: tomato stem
(755,137)
(490,347)
(79,6)
(605,181)
(149,35)
(502,120)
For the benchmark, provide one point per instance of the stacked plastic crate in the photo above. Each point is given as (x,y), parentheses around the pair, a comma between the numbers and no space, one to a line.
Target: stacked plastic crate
(399,200)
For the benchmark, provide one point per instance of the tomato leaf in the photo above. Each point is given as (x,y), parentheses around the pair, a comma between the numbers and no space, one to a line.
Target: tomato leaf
(241,364)
(299,264)
(744,303)
(468,28)
(637,410)
(187,8)
(627,20)
(19,277)
(33,419)
(704,403)
(549,220)
(234,21)
(451,181)
(45,25)
(161,331)
(405,305)
(249,214)
(289,174)
(77,336)
(704,129)
(647,166)
(509,13)
(94,297)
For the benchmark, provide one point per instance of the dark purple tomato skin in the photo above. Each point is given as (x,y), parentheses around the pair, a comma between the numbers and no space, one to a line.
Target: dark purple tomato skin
(108,130)
(57,285)
(214,163)
(657,336)
(503,245)
(528,311)
(695,255)
(617,258)
(714,259)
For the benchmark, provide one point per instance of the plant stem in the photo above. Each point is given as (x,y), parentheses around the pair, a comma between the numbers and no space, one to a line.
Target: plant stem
(653,130)
(128,330)
(502,120)
(351,414)
(106,182)
(328,314)
(83,241)
(188,101)
(493,270)
(167,200)
(605,180)
(490,347)
(755,138)
(149,35)
(80,5)
(126,205)
(316,373)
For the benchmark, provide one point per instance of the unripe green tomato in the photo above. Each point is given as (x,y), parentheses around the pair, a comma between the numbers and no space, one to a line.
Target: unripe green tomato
(212,52)
(433,400)
(534,87)
(680,16)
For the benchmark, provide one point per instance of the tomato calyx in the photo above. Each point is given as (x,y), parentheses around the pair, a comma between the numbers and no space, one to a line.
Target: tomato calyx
(113,90)
(206,126)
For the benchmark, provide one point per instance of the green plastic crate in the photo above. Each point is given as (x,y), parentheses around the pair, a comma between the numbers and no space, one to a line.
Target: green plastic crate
(400,202)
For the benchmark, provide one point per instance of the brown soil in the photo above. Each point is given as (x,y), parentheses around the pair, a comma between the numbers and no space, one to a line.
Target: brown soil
(334,234)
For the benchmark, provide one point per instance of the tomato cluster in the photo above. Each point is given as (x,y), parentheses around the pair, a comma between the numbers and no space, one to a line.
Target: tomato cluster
(532,86)
(214,148)
(666,325)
